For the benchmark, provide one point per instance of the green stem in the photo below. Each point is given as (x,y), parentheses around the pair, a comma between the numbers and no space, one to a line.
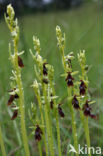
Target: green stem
(42,119)
(86,129)
(47,119)
(51,133)
(73,122)
(87,134)
(39,146)
(21,103)
(2,144)
(57,121)
(58,133)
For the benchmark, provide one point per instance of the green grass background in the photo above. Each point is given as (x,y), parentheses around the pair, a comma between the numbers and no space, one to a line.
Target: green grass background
(84,30)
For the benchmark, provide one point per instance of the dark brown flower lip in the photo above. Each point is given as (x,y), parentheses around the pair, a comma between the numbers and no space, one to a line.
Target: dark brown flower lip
(38,133)
(45,71)
(61,113)
(69,76)
(12,98)
(39,129)
(82,88)
(75,102)
(87,111)
(15,114)
(20,62)
(69,79)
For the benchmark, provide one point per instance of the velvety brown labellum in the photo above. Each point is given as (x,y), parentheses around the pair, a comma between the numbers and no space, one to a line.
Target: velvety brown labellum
(87,109)
(38,133)
(75,103)
(11,99)
(82,88)
(87,112)
(60,111)
(20,62)
(45,71)
(69,79)
(14,114)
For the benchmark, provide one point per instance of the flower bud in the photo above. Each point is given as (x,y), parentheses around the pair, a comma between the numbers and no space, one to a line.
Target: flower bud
(36,42)
(10,11)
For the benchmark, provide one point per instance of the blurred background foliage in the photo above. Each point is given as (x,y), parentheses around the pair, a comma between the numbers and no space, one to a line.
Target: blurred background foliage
(24,6)
(39,5)
(82,21)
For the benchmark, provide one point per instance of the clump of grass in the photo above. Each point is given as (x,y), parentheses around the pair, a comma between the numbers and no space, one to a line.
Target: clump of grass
(49,111)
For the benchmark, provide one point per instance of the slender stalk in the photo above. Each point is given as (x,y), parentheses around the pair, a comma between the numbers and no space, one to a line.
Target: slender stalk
(21,103)
(39,61)
(51,134)
(58,133)
(83,118)
(14,29)
(47,116)
(42,119)
(86,129)
(57,121)
(73,122)
(48,122)
(87,134)
(2,143)
(40,150)
(71,110)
